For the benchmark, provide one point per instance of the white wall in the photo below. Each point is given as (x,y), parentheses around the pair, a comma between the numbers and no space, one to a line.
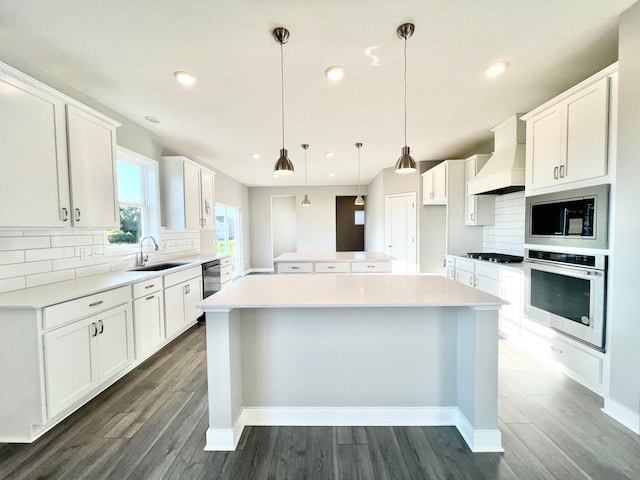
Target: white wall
(506,235)
(624,325)
(283,225)
(315,224)
(374,215)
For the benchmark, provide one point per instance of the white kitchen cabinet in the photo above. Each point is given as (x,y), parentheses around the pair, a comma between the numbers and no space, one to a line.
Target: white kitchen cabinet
(479,209)
(92,165)
(188,194)
(568,137)
(60,158)
(148,316)
(182,292)
(84,354)
(434,185)
(371,267)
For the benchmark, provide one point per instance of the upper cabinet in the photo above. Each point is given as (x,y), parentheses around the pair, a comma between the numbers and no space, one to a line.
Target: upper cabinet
(568,138)
(478,209)
(188,194)
(92,164)
(434,185)
(58,158)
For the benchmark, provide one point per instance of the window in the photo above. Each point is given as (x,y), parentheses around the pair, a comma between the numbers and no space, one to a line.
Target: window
(228,235)
(138,199)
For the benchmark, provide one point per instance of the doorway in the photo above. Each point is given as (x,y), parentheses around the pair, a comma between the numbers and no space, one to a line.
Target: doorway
(400,231)
(283,225)
(349,225)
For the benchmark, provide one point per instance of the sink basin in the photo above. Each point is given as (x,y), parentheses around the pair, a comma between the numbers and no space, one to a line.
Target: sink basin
(158,266)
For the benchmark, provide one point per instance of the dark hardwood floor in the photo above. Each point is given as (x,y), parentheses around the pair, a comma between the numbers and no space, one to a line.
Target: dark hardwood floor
(152,423)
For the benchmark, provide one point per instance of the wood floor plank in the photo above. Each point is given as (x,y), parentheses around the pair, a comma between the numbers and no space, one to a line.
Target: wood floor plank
(455,457)
(255,458)
(190,462)
(354,462)
(351,436)
(421,460)
(319,454)
(386,456)
(520,458)
(509,413)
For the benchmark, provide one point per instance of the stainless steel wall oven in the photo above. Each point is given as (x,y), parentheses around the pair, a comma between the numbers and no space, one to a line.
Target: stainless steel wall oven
(567,292)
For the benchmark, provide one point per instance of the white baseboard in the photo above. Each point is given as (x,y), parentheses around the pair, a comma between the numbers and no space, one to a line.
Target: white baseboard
(478,440)
(622,414)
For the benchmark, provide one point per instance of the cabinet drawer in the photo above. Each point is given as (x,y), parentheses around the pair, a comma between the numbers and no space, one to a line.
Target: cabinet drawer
(583,364)
(225,261)
(226,273)
(146,287)
(488,270)
(295,267)
(371,267)
(75,309)
(182,276)
(332,267)
(465,264)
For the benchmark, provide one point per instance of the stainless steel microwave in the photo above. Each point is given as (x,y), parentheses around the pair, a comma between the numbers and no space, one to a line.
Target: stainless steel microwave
(572,218)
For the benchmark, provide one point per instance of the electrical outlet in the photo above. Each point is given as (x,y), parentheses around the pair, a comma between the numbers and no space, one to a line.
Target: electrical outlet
(85,253)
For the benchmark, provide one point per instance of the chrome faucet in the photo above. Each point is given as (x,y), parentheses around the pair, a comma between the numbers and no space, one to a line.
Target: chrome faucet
(142,258)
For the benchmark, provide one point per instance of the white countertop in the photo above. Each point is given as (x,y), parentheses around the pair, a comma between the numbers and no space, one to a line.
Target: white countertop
(333,257)
(53,293)
(290,291)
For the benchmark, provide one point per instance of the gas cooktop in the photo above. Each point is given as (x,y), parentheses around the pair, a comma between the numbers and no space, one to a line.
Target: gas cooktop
(495,257)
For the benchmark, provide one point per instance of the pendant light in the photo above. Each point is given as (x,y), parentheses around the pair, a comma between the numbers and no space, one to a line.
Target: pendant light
(283,165)
(405,164)
(306,201)
(359,200)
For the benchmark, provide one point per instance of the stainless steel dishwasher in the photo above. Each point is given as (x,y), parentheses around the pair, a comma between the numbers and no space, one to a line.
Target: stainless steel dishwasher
(210,278)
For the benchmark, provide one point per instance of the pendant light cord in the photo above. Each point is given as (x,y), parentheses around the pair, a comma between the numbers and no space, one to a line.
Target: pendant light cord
(405,90)
(305,167)
(358,171)
(282,89)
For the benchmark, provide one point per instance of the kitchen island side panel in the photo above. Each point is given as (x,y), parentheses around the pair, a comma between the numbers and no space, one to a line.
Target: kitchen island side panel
(349,357)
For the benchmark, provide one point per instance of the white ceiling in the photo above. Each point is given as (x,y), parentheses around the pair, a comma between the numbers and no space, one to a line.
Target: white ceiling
(123,53)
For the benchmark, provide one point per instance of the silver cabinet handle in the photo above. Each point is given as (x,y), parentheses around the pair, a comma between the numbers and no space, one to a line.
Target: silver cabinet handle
(77,214)
(555,349)
(472,217)
(150,297)
(204,222)
(331,266)
(149,286)
(371,266)
(101,326)
(471,281)
(295,268)
(95,304)
(65,214)
(561,171)
(94,329)
(555,173)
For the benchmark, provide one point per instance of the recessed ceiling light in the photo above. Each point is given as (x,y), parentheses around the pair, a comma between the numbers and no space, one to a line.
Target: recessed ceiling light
(152,119)
(496,69)
(334,73)
(255,156)
(331,174)
(329,154)
(185,78)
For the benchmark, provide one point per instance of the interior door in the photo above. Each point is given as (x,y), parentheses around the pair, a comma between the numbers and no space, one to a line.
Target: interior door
(400,230)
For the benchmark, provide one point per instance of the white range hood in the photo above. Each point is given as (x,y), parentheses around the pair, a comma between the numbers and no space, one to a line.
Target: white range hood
(504,171)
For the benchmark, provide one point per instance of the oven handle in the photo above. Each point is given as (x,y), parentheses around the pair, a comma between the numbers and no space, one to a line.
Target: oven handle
(578,272)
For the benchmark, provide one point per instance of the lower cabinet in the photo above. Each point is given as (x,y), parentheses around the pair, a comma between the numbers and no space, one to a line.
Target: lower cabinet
(148,314)
(84,354)
(183,291)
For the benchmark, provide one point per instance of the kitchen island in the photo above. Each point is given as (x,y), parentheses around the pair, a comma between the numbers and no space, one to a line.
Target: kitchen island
(352,350)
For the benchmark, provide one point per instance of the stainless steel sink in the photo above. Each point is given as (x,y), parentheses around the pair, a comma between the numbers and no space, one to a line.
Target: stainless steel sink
(158,266)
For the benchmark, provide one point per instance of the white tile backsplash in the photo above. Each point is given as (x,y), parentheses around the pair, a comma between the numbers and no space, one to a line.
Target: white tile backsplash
(31,258)
(506,235)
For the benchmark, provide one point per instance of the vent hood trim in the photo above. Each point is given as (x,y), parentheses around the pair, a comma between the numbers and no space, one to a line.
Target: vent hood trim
(503,173)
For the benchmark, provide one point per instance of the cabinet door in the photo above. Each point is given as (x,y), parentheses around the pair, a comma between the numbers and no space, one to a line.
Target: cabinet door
(464,277)
(92,161)
(207,200)
(427,187)
(544,148)
(470,200)
(192,297)
(440,184)
(148,320)
(174,304)
(586,134)
(488,285)
(192,196)
(114,342)
(34,185)
(70,364)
